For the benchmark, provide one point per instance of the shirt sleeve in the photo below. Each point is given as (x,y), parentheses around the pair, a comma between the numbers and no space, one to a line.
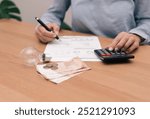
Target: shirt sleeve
(142,17)
(56,12)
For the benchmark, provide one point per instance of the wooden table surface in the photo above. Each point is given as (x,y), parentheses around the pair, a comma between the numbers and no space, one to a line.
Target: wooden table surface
(105,82)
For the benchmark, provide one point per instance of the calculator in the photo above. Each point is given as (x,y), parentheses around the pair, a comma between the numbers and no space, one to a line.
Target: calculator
(112,56)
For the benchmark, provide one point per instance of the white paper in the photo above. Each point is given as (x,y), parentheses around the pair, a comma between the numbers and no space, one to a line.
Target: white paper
(71,46)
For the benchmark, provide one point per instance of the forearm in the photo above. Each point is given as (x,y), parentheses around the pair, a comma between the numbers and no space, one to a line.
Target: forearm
(143,31)
(56,12)
(142,17)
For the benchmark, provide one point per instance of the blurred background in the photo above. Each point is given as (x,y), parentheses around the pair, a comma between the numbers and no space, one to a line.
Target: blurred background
(31,8)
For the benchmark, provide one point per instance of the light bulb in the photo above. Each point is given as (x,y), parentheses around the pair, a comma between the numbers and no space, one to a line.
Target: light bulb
(31,56)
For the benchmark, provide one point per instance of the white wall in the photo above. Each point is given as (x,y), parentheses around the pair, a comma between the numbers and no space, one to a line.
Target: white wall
(31,8)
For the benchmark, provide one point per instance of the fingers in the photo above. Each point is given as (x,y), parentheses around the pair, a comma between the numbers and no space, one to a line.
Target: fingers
(45,36)
(125,42)
(114,43)
(129,43)
(55,28)
(42,38)
(134,46)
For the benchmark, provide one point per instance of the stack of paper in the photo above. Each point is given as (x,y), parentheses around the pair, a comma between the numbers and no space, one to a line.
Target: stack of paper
(63,70)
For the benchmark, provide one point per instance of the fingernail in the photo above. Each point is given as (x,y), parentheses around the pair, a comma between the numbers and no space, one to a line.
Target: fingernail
(116,49)
(122,49)
(110,49)
(127,52)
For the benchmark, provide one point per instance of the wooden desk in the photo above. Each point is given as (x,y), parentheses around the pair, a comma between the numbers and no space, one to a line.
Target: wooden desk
(117,82)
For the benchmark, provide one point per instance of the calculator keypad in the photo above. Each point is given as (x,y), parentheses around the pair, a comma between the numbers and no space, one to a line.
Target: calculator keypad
(112,56)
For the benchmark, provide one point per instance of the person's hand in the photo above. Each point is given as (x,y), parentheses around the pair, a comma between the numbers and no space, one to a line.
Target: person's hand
(45,36)
(126,42)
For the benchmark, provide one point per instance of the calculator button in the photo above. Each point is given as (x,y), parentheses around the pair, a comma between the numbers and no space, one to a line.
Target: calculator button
(123,53)
(105,53)
(112,53)
(100,52)
(117,53)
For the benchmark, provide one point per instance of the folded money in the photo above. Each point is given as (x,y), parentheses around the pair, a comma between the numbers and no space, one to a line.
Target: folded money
(61,70)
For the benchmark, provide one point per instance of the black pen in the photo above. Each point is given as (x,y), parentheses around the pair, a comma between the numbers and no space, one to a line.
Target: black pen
(46,27)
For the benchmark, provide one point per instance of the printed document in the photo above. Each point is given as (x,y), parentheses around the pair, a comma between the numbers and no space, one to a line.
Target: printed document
(73,46)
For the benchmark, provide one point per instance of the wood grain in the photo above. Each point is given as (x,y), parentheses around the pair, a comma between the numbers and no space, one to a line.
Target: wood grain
(105,82)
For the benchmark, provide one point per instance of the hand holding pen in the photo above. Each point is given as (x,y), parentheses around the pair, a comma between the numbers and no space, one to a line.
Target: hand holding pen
(47,32)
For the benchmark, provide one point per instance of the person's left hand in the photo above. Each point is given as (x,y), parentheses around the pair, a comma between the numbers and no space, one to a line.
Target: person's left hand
(126,42)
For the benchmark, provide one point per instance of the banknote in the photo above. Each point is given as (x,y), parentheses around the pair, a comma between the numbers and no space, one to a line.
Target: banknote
(61,70)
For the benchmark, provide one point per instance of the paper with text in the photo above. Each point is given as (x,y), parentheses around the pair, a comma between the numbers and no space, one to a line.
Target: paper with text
(71,46)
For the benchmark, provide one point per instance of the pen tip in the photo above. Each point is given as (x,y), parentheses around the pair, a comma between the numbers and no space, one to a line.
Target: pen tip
(36,18)
(57,37)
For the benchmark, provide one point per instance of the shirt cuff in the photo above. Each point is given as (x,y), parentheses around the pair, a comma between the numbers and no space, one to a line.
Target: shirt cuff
(144,36)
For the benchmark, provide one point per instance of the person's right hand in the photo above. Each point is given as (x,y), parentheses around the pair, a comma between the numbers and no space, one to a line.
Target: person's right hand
(45,36)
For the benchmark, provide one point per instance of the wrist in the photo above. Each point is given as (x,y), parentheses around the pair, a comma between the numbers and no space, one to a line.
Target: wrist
(140,37)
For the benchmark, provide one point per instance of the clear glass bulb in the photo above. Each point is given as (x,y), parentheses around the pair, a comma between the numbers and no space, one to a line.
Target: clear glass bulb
(31,56)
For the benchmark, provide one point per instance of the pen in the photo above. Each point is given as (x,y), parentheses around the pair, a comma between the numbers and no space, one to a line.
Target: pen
(46,27)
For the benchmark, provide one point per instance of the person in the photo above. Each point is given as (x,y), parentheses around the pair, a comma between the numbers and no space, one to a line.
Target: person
(127,22)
